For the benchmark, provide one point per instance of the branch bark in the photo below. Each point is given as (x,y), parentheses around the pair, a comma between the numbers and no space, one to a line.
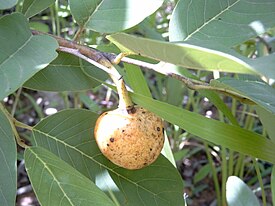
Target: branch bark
(105,62)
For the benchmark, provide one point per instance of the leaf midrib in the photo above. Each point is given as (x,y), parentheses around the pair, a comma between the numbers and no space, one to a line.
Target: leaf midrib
(104,166)
(55,179)
(210,20)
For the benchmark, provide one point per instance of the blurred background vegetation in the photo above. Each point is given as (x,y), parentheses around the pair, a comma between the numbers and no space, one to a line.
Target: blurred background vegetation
(196,159)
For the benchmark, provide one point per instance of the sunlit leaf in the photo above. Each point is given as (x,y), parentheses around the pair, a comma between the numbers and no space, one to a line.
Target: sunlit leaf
(21,54)
(111,16)
(239,194)
(225,22)
(57,183)
(8,174)
(181,54)
(69,135)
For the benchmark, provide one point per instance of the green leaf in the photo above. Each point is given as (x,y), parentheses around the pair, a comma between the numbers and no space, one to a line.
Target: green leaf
(69,135)
(181,54)
(6,4)
(224,22)
(268,121)
(264,65)
(258,91)
(21,55)
(67,69)
(32,7)
(57,183)
(239,194)
(202,173)
(8,162)
(109,16)
(273,184)
(136,80)
(219,133)
(138,83)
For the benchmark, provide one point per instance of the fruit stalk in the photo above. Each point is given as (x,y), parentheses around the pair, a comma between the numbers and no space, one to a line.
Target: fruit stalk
(125,101)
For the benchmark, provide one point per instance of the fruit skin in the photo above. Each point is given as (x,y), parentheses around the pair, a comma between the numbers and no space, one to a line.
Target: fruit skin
(130,138)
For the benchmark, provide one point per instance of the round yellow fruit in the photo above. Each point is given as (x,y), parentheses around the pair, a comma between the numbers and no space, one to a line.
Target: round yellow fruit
(130,138)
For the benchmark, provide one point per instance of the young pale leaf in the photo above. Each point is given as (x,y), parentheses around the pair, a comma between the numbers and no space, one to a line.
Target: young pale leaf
(69,135)
(111,16)
(229,136)
(57,183)
(181,54)
(225,22)
(24,54)
(239,194)
(8,162)
(32,7)
(6,4)
(67,69)
(258,91)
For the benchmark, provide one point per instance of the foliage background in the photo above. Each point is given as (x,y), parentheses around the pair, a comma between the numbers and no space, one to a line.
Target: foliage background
(207,70)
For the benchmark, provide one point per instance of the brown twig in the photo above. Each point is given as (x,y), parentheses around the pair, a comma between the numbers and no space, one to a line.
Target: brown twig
(107,59)
(77,53)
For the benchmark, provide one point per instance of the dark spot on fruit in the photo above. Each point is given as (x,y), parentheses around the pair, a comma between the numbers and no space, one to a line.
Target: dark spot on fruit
(108,145)
(158,128)
(143,112)
(151,149)
(123,130)
(145,163)
(131,110)
(112,139)
(139,119)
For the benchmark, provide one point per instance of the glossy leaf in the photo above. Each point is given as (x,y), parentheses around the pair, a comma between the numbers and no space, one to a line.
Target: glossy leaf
(181,54)
(8,175)
(6,4)
(109,16)
(69,135)
(57,183)
(225,22)
(65,74)
(21,55)
(258,91)
(239,194)
(219,133)
(32,7)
